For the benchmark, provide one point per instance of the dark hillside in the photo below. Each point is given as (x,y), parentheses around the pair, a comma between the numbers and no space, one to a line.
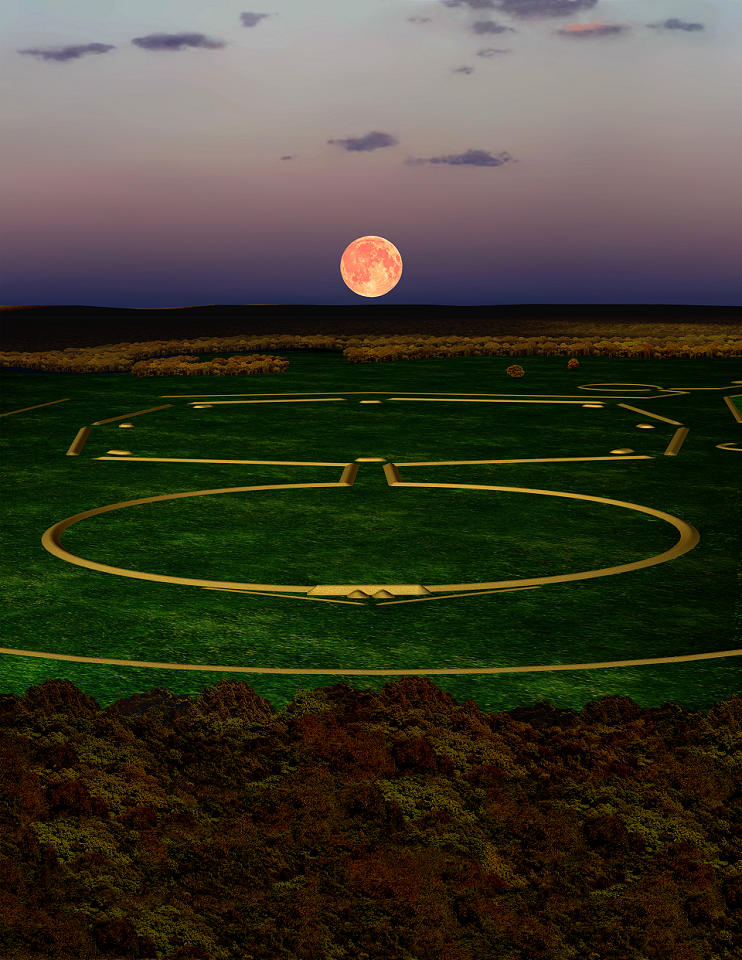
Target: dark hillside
(38,328)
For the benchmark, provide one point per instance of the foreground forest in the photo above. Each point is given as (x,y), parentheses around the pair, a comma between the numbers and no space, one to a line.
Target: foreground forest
(368,826)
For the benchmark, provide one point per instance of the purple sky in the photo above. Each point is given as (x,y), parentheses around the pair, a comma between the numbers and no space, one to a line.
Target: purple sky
(514,151)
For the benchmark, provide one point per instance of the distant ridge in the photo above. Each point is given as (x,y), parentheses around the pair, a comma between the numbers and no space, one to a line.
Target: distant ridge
(36,328)
(43,306)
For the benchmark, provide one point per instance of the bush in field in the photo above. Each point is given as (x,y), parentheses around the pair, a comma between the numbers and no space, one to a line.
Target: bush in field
(573,364)
(516,370)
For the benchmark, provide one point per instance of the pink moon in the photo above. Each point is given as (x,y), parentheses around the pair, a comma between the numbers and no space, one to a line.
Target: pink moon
(371,266)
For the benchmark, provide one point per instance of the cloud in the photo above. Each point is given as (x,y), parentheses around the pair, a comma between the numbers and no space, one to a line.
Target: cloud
(527,8)
(677,25)
(475,158)
(252,19)
(70,53)
(474,4)
(154,41)
(372,141)
(590,29)
(375,140)
(176,41)
(489,26)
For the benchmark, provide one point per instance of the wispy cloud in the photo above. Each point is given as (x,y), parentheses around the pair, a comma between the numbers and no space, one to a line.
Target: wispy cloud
(527,8)
(489,26)
(372,141)
(475,158)
(177,41)
(675,24)
(69,53)
(376,140)
(174,42)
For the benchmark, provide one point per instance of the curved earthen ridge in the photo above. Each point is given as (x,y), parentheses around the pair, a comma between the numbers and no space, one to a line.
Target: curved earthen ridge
(369,673)
(689,537)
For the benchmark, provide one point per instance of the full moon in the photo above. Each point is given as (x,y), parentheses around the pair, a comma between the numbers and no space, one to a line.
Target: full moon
(371,266)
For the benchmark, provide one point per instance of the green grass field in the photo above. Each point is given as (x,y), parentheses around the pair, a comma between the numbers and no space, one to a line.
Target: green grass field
(374,533)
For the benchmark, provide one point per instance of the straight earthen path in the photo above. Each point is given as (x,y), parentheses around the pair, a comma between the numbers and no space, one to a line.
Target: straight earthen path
(689,538)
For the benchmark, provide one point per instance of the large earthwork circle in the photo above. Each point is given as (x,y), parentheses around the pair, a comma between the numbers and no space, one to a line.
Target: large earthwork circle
(689,537)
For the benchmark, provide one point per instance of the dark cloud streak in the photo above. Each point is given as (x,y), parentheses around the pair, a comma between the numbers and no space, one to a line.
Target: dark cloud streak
(70,53)
(372,141)
(176,41)
(527,8)
(474,158)
(376,140)
(252,19)
(489,26)
(675,24)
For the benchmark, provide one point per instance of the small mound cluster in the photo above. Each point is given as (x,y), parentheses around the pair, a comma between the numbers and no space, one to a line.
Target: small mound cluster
(517,371)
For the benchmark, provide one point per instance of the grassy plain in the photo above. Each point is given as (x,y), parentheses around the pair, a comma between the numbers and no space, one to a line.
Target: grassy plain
(373,533)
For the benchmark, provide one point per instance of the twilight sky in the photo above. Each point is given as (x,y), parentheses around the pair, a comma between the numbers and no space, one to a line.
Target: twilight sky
(166,154)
